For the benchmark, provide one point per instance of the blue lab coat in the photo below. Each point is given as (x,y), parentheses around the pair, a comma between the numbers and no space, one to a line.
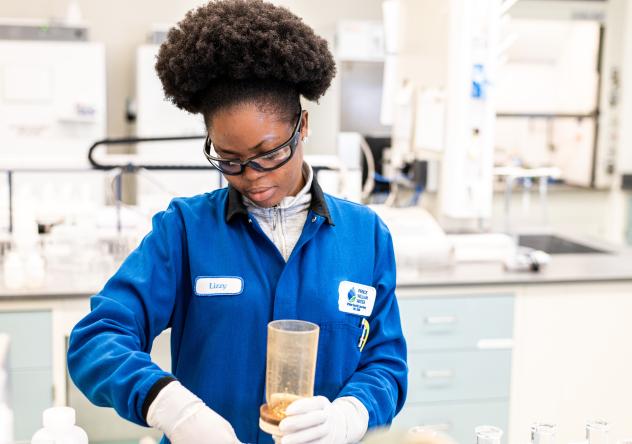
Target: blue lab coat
(218,341)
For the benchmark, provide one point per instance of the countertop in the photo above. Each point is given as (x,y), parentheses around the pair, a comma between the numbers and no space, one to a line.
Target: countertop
(563,268)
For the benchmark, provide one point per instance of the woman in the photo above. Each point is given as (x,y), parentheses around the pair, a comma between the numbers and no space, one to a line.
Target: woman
(216,268)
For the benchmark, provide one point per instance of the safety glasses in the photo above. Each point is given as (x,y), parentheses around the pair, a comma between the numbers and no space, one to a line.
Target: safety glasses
(268,161)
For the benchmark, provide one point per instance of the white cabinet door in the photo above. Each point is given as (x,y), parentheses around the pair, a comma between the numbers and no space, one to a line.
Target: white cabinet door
(572,358)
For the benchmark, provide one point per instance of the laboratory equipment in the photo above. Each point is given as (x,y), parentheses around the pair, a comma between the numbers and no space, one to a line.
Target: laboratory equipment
(613,156)
(526,177)
(486,434)
(482,247)
(455,76)
(24,265)
(59,426)
(418,240)
(543,433)
(52,107)
(360,164)
(334,177)
(557,126)
(41,30)
(54,101)
(126,163)
(290,369)
(597,431)
(526,259)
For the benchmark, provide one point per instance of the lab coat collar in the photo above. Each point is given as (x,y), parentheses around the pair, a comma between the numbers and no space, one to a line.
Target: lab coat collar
(318,205)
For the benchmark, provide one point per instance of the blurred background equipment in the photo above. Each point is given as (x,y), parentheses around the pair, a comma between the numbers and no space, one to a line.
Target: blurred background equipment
(53,95)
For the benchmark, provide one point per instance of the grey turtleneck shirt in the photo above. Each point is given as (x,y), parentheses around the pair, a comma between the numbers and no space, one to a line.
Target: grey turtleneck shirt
(283,223)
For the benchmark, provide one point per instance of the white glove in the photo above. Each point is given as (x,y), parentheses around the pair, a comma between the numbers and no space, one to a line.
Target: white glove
(316,420)
(185,419)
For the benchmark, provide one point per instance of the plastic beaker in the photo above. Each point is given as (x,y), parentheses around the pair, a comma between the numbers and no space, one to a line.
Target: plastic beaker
(290,366)
(543,433)
(487,434)
(597,431)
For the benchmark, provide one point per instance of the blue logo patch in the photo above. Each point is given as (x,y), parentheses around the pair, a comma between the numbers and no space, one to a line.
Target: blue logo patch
(351,296)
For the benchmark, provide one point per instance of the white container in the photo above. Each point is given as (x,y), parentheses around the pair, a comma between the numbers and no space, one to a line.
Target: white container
(6,424)
(35,269)
(14,272)
(59,426)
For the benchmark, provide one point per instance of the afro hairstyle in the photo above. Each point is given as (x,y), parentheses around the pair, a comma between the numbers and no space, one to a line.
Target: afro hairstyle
(234,51)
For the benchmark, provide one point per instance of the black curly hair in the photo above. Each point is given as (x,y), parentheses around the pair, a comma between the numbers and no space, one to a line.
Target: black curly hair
(243,51)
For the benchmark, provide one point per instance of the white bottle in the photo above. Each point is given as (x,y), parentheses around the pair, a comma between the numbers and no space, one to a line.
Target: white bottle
(6,424)
(14,273)
(59,426)
(35,269)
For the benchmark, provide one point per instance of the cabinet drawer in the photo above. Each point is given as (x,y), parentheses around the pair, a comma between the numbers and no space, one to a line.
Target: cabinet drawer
(455,323)
(31,394)
(456,419)
(30,334)
(458,376)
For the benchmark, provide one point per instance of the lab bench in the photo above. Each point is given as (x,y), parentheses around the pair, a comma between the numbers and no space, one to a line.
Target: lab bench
(485,345)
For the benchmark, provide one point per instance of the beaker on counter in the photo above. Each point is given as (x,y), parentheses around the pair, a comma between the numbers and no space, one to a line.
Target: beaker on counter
(486,434)
(290,368)
(597,431)
(542,433)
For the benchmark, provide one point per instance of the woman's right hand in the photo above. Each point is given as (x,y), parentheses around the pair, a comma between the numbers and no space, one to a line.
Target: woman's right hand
(185,419)
(203,426)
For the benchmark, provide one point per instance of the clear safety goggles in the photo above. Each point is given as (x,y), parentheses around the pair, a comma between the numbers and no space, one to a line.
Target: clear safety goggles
(268,161)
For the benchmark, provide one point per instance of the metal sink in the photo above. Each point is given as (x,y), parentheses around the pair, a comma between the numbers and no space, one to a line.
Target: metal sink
(553,244)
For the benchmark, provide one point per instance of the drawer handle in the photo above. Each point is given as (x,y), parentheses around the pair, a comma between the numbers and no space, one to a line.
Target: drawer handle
(495,344)
(440,320)
(438,374)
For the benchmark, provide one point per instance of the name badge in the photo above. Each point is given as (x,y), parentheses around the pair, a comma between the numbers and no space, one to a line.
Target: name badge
(355,298)
(216,286)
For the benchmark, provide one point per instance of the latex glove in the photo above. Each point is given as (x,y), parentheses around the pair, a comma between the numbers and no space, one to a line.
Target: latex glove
(316,420)
(185,419)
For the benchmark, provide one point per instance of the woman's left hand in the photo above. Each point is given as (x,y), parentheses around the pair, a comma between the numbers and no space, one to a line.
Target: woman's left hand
(317,420)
